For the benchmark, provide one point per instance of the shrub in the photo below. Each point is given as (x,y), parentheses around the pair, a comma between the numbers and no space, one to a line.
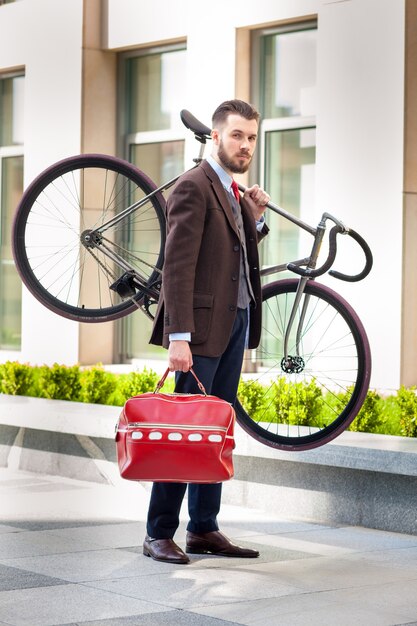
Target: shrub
(97,385)
(136,383)
(407,402)
(252,396)
(370,417)
(16,378)
(298,403)
(59,382)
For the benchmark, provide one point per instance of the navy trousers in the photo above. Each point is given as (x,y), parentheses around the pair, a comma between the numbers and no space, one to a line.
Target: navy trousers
(220,376)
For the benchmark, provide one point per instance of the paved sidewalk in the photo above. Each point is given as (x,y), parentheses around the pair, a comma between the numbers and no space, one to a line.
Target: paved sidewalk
(70,553)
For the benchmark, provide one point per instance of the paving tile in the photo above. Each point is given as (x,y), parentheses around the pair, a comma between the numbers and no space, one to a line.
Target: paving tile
(171,618)
(46,524)
(190,586)
(109,535)
(52,606)
(14,578)
(339,541)
(8,528)
(331,573)
(318,611)
(298,543)
(356,539)
(404,558)
(267,554)
(24,544)
(264,526)
(92,565)
(367,606)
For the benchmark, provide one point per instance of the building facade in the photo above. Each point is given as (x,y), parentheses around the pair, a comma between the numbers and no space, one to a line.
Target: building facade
(334,83)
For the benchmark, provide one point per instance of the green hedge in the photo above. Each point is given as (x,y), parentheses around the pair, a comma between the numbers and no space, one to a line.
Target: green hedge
(392,415)
(61,382)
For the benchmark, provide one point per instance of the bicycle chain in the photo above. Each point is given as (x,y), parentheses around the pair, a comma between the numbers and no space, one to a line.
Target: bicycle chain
(106,270)
(141,307)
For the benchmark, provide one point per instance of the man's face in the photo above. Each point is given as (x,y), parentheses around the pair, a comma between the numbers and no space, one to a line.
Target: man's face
(234,143)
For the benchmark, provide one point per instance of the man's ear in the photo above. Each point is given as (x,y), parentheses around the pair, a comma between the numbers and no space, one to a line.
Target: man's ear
(215,135)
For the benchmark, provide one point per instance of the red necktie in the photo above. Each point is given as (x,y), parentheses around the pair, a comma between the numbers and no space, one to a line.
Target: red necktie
(235,190)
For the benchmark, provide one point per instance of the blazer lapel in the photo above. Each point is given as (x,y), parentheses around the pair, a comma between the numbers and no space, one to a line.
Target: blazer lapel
(221,194)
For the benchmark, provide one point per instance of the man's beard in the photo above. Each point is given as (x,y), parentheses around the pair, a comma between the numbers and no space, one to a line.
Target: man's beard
(231,165)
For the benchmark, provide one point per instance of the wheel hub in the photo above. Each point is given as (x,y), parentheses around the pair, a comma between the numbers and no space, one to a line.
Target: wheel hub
(90,239)
(292,364)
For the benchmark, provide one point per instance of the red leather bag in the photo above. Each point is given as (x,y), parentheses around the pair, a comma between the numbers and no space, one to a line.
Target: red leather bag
(187,438)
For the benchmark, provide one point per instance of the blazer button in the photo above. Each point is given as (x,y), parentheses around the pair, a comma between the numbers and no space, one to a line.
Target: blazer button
(234,277)
(236,248)
(232,307)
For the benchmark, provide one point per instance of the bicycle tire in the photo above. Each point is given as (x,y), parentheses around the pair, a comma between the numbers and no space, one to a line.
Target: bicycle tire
(63,202)
(304,409)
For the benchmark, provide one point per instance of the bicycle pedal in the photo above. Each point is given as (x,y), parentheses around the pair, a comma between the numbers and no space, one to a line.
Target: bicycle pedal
(124,286)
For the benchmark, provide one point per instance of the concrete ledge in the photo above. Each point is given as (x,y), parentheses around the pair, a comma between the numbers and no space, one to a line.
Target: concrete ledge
(358,479)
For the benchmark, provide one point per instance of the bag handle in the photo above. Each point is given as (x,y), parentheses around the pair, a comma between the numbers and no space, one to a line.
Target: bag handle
(160,384)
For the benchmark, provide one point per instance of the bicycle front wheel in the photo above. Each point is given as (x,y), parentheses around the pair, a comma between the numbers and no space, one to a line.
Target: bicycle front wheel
(67,258)
(307,396)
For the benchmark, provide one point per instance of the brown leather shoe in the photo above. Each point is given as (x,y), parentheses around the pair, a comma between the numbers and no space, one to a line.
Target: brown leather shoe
(216,543)
(165,550)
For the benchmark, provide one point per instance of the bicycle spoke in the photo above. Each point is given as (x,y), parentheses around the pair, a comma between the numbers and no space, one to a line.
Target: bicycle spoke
(67,263)
(304,395)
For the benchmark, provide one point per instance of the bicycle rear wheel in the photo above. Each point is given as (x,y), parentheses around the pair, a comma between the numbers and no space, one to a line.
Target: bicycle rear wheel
(58,211)
(307,399)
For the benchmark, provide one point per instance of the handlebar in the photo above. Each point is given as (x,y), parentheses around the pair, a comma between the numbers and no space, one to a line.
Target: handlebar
(368,260)
(313,273)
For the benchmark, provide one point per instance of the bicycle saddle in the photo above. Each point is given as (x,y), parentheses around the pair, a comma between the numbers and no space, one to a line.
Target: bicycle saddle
(201,131)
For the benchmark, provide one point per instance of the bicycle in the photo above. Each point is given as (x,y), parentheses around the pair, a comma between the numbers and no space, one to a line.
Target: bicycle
(88,241)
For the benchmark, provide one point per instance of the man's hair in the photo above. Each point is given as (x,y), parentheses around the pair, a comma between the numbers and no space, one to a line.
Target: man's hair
(236,107)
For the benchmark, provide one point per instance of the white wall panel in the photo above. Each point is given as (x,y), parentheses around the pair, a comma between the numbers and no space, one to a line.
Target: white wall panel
(360,157)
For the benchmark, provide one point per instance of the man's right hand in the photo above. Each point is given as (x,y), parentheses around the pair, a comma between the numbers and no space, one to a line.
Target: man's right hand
(180,358)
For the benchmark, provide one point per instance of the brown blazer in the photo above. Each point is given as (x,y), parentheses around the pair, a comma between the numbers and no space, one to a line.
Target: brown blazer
(201,268)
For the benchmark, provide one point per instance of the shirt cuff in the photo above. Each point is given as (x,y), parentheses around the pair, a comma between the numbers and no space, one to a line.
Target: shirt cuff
(180,336)
(260,223)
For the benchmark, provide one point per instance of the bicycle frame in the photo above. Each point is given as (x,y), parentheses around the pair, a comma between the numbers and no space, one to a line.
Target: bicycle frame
(95,238)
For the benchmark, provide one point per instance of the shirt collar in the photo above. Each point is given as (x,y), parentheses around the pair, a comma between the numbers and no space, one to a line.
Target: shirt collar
(225,179)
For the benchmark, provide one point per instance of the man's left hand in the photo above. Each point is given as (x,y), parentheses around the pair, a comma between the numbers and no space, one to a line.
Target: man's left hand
(257,199)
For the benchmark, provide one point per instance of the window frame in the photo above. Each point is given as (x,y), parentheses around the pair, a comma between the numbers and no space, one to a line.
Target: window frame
(126,140)
(294,122)
(125,144)
(281,125)
(10,151)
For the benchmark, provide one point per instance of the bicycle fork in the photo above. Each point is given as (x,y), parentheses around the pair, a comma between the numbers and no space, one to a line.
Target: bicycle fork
(295,363)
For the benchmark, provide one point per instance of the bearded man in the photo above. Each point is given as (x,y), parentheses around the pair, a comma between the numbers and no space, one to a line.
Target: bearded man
(209,311)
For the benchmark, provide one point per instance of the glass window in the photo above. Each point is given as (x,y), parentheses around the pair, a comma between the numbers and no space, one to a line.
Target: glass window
(10,283)
(11,188)
(289,178)
(156,84)
(283,86)
(288,73)
(161,161)
(153,91)
(11,111)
